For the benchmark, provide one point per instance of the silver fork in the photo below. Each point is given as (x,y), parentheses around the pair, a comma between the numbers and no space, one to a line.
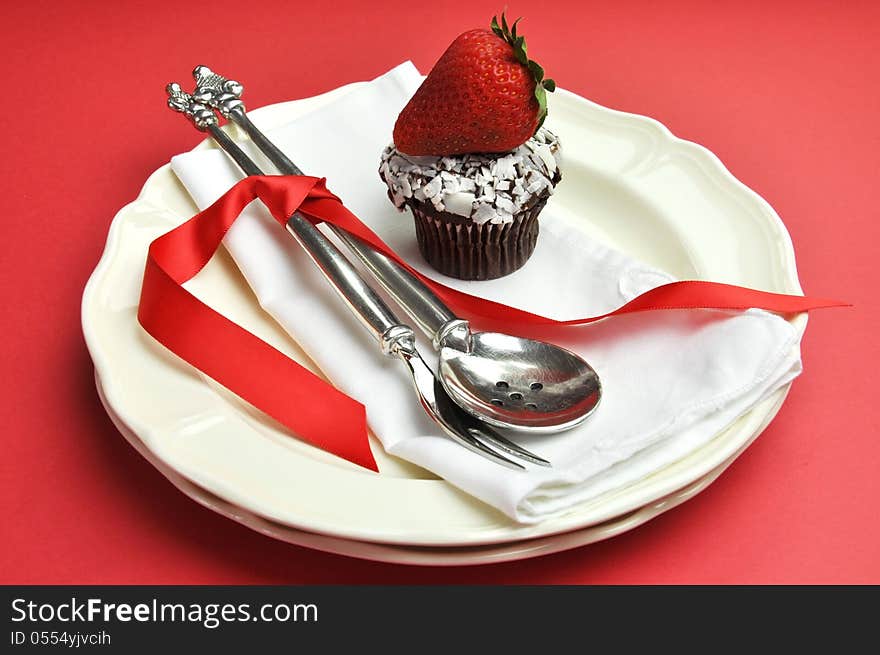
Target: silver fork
(395,338)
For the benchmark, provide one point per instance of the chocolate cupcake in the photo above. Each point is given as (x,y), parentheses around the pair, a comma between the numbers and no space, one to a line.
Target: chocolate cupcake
(476,215)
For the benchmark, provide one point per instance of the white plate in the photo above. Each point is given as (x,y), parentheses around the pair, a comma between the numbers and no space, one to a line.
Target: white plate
(629,183)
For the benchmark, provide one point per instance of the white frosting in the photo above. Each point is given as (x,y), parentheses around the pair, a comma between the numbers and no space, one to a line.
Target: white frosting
(484,187)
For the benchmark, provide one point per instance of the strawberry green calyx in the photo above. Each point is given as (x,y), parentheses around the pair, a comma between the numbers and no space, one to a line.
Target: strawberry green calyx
(518,43)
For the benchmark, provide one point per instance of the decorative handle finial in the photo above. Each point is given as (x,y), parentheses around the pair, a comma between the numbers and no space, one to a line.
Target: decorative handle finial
(214,90)
(201,115)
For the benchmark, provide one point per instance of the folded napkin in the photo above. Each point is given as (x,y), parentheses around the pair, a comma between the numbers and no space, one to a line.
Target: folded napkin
(671,379)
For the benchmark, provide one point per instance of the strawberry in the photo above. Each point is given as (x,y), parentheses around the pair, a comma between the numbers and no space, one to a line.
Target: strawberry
(483,95)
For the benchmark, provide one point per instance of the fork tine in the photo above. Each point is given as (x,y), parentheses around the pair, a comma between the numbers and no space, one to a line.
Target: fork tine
(469,441)
(487,433)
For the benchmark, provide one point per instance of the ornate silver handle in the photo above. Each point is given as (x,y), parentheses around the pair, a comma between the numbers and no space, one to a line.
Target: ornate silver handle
(420,302)
(394,337)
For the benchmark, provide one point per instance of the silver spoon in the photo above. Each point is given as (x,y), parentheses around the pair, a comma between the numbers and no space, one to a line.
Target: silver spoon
(395,338)
(506,381)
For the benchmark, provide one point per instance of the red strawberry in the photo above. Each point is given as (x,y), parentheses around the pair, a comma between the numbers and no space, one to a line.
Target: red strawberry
(483,95)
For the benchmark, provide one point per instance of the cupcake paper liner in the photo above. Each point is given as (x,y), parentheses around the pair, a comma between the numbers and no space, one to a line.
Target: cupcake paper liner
(462,249)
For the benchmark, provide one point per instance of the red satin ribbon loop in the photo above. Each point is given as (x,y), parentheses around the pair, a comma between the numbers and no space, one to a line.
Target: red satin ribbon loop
(279,386)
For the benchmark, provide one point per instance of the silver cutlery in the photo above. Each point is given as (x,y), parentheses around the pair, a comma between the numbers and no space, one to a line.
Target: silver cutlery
(395,338)
(506,381)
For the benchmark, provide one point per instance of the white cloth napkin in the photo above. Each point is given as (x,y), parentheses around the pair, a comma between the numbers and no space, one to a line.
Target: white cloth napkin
(671,379)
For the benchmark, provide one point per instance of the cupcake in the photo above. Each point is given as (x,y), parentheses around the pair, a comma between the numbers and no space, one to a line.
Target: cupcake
(470,157)
(476,215)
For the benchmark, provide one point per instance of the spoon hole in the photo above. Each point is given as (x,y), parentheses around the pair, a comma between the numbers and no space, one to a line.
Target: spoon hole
(532,406)
(516,396)
(502,385)
(536,386)
(497,403)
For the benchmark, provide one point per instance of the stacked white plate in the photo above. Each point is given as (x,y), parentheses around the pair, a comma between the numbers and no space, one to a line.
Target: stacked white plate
(629,183)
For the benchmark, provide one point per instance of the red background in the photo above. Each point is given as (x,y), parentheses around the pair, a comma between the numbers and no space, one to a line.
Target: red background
(785,93)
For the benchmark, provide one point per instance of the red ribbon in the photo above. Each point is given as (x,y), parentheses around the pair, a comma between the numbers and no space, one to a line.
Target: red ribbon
(286,391)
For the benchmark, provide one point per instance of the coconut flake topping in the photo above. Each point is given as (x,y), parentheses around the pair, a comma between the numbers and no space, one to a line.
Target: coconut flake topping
(482,187)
